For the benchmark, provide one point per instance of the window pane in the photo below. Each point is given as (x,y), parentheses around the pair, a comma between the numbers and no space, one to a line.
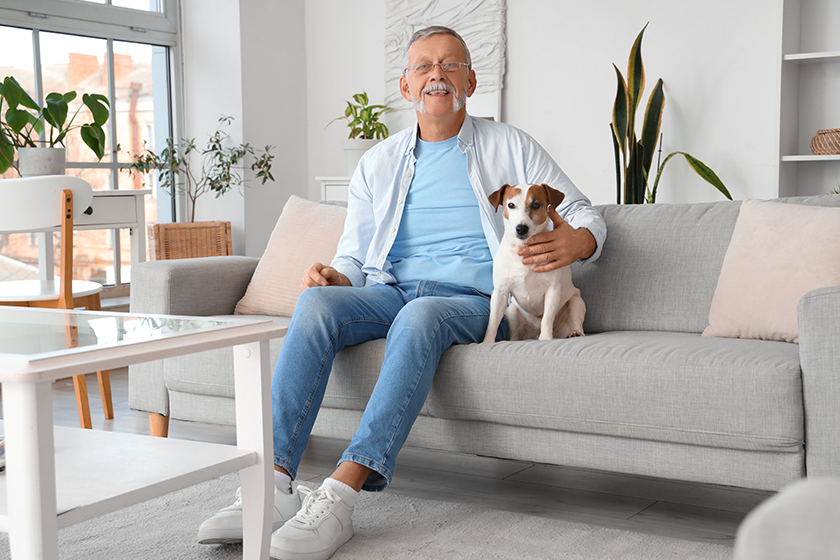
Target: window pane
(18,257)
(17,63)
(145,5)
(93,254)
(135,107)
(72,63)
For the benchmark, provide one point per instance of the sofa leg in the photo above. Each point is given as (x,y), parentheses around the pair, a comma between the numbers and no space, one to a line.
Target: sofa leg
(158,424)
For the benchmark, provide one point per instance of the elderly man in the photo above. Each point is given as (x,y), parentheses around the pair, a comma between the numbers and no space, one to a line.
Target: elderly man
(414,266)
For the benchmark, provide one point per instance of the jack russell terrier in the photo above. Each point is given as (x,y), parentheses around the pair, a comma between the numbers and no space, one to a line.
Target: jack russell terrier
(544,303)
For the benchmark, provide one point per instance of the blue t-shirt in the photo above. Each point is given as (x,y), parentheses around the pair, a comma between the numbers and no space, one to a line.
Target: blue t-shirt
(440,236)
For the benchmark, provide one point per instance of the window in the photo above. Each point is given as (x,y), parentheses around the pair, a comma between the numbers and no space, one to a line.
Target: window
(123,49)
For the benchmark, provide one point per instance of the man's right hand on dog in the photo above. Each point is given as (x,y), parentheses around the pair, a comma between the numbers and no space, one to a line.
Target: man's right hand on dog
(320,275)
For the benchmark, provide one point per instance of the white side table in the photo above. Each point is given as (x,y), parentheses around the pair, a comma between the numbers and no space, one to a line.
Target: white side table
(334,188)
(101,472)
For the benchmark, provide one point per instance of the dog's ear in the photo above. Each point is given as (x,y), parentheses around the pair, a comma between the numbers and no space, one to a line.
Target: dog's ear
(497,197)
(555,197)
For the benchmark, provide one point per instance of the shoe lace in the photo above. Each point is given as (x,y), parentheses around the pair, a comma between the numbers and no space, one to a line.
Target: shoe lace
(316,504)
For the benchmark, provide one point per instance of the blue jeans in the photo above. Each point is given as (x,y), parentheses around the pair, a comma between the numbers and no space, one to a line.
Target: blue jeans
(420,321)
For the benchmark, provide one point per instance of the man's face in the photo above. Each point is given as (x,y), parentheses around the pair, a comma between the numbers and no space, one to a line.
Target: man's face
(437,93)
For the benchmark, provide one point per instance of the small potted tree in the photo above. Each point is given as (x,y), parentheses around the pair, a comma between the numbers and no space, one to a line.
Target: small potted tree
(184,168)
(365,129)
(37,133)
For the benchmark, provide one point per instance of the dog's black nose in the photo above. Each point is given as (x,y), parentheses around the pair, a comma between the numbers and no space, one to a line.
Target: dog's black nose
(521,231)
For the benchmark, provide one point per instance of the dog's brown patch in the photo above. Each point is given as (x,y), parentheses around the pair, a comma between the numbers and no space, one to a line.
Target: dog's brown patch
(497,198)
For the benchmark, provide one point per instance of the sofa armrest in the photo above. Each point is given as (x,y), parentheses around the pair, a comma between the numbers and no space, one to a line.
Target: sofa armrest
(818,315)
(198,287)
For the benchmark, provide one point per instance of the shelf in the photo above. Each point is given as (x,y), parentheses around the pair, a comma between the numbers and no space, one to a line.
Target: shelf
(832,157)
(813,58)
(98,472)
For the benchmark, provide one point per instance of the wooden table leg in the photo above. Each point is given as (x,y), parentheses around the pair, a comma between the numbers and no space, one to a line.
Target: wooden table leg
(105,391)
(252,382)
(80,386)
(30,470)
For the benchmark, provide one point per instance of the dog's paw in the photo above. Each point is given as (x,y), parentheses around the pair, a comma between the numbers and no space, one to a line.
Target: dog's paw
(576,333)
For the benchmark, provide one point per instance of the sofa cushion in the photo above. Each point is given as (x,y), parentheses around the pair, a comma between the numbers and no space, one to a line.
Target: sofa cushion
(306,232)
(673,387)
(658,267)
(778,253)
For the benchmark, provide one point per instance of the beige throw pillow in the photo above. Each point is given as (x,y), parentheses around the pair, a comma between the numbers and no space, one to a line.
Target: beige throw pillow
(306,232)
(777,254)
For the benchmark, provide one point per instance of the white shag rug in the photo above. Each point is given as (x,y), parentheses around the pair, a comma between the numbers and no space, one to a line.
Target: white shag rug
(387,526)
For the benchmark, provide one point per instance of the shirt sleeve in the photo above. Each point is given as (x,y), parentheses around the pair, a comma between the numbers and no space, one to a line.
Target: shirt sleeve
(359,228)
(576,208)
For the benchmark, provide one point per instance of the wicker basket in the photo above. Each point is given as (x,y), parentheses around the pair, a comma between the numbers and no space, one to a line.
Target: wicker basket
(826,142)
(188,240)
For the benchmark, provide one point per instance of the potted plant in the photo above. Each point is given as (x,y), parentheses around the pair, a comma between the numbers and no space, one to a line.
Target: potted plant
(633,156)
(40,148)
(365,128)
(180,170)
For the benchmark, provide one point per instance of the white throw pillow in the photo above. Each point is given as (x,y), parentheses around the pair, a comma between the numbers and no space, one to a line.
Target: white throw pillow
(778,253)
(306,232)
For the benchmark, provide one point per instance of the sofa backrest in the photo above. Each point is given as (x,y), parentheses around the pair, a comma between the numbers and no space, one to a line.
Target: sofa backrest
(659,266)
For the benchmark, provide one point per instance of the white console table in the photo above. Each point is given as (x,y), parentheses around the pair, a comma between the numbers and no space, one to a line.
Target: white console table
(110,209)
(334,188)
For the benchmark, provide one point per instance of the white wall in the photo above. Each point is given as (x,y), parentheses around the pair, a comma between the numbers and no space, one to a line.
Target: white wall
(245,59)
(719,64)
(719,60)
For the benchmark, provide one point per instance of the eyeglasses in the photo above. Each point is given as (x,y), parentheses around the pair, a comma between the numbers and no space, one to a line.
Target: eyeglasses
(427,67)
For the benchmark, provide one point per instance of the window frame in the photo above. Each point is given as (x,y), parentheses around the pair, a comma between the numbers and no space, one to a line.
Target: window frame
(111,23)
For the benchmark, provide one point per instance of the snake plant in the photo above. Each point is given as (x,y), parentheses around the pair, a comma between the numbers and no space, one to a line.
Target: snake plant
(634,155)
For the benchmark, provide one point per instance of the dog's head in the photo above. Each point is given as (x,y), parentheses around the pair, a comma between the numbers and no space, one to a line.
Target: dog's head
(526,208)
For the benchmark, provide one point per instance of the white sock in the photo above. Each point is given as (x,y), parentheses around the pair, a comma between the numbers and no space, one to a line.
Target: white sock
(347,494)
(283,482)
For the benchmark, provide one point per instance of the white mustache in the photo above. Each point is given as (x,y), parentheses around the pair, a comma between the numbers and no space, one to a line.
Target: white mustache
(438,86)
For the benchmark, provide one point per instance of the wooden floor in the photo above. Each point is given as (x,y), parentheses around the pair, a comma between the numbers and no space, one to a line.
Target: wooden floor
(698,512)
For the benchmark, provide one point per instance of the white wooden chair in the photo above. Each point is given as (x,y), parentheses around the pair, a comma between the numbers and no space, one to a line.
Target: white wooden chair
(36,204)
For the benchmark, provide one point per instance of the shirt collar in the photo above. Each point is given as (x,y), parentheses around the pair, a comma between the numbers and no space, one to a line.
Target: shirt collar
(465,135)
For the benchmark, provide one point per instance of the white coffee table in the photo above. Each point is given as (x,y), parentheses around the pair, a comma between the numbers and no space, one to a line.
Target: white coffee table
(100,472)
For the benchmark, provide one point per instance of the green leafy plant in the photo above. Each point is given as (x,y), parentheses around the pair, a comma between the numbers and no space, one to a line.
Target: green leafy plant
(363,119)
(22,121)
(217,172)
(634,155)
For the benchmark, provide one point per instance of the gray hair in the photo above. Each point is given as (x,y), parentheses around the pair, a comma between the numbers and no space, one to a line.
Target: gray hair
(435,30)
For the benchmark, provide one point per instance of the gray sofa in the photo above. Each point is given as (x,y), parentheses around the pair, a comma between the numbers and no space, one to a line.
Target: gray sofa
(642,393)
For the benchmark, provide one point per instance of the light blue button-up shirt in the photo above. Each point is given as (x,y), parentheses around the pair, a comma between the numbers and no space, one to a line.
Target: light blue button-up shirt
(497,154)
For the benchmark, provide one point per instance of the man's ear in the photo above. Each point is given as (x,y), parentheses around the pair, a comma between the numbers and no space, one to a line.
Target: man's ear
(404,91)
(471,83)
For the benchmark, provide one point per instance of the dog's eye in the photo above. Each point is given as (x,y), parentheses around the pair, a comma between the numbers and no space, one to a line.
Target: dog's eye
(511,205)
(535,205)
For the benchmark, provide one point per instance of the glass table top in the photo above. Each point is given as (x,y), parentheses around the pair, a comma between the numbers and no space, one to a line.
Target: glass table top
(26,332)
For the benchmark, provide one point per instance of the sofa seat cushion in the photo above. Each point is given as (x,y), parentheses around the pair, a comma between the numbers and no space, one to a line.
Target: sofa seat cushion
(201,374)
(674,387)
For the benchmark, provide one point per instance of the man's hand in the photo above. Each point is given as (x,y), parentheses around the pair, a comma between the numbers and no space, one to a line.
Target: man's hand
(320,275)
(559,247)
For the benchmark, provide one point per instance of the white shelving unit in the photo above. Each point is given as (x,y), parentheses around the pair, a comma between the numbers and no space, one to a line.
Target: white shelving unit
(810,95)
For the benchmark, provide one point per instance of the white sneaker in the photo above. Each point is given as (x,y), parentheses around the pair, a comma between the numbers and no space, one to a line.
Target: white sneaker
(321,526)
(226,526)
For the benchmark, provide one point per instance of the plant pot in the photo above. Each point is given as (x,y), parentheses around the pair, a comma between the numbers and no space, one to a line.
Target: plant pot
(354,148)
(41,161)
